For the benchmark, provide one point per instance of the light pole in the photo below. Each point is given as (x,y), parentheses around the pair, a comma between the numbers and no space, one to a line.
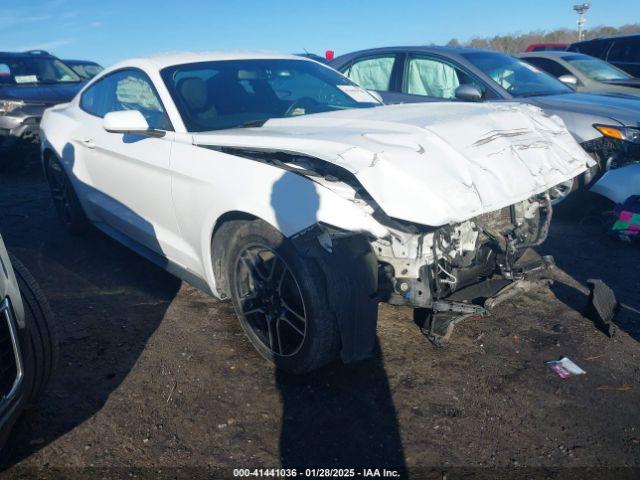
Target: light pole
(581,9)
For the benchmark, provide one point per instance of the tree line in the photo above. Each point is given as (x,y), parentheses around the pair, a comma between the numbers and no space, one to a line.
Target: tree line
(518,42)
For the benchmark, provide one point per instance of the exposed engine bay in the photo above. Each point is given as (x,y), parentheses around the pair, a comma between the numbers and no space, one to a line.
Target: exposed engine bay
(420,269)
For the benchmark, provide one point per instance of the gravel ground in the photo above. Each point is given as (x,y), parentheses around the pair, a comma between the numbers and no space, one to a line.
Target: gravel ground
(157,378)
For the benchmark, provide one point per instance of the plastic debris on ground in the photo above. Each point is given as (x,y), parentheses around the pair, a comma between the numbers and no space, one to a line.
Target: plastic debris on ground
(627,225)
(565,367)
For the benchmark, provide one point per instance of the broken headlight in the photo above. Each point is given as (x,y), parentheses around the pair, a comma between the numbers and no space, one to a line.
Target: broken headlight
(627,134)
(8,106)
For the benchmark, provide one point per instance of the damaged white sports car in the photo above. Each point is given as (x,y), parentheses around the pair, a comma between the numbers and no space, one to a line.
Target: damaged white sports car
(278,183)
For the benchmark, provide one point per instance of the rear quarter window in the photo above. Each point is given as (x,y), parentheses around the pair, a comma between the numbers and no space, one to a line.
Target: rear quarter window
(92,100)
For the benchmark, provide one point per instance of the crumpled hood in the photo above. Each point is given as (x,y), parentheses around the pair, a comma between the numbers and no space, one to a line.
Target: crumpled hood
(430,164)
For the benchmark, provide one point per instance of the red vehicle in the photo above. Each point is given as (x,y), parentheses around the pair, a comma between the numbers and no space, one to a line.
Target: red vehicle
(545,47)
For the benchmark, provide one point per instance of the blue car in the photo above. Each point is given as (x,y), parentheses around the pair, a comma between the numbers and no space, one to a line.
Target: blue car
(30,82)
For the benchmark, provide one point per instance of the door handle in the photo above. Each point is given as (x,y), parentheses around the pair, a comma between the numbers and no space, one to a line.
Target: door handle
(88,142)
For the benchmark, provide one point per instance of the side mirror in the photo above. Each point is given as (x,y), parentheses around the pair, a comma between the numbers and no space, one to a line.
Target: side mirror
(468,93)
(569,80)
(129,121)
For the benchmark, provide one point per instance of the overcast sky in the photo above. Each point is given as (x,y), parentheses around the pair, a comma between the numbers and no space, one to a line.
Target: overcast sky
(112,30)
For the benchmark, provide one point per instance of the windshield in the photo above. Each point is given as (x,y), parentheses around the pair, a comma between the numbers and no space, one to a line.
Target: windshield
(596,69)
(517,77)
(86,70)
(236,93)
(34,70)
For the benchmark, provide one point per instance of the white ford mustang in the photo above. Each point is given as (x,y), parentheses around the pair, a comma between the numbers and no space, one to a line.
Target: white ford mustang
(278,183)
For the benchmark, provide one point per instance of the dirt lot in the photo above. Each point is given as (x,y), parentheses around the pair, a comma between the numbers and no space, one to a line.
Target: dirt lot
(157,378)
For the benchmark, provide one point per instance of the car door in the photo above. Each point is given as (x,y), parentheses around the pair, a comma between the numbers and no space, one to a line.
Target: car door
(378,72)
(129,176)
(435,78)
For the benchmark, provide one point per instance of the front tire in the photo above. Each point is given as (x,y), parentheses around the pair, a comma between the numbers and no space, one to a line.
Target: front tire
(65,200)
(281,299)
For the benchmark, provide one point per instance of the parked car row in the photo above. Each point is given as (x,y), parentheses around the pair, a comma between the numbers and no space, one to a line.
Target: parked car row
(284,186)
(584,73)
(622,51)
(291,189)
(278,183)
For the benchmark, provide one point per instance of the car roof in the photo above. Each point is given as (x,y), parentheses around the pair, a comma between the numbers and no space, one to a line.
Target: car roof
(419,48)
(28,54)
(84,62)
(451,52)
(551,54)
(164,60)
(609,37)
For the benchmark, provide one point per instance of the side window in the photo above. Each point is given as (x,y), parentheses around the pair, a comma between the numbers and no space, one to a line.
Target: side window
(373,73)
(625,51)
(132,90)
(550,66)
(593,48)
(92,100)
(431,77)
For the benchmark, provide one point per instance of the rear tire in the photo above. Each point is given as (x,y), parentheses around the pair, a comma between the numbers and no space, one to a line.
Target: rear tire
(41,355)
(65,200)
(281,299)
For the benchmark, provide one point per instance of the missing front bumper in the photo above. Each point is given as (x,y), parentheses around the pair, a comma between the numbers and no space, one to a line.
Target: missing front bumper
(438,322)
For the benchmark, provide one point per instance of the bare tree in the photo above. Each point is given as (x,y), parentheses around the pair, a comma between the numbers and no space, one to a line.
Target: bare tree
(518,42)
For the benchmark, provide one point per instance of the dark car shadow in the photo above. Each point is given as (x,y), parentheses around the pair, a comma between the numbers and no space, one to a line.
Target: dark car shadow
(108,302)
(342,416)
(583,249)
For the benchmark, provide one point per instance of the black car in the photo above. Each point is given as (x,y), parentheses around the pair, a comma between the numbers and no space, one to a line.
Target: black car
(623,51)
(85,68)
(30,82)
(28,341)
